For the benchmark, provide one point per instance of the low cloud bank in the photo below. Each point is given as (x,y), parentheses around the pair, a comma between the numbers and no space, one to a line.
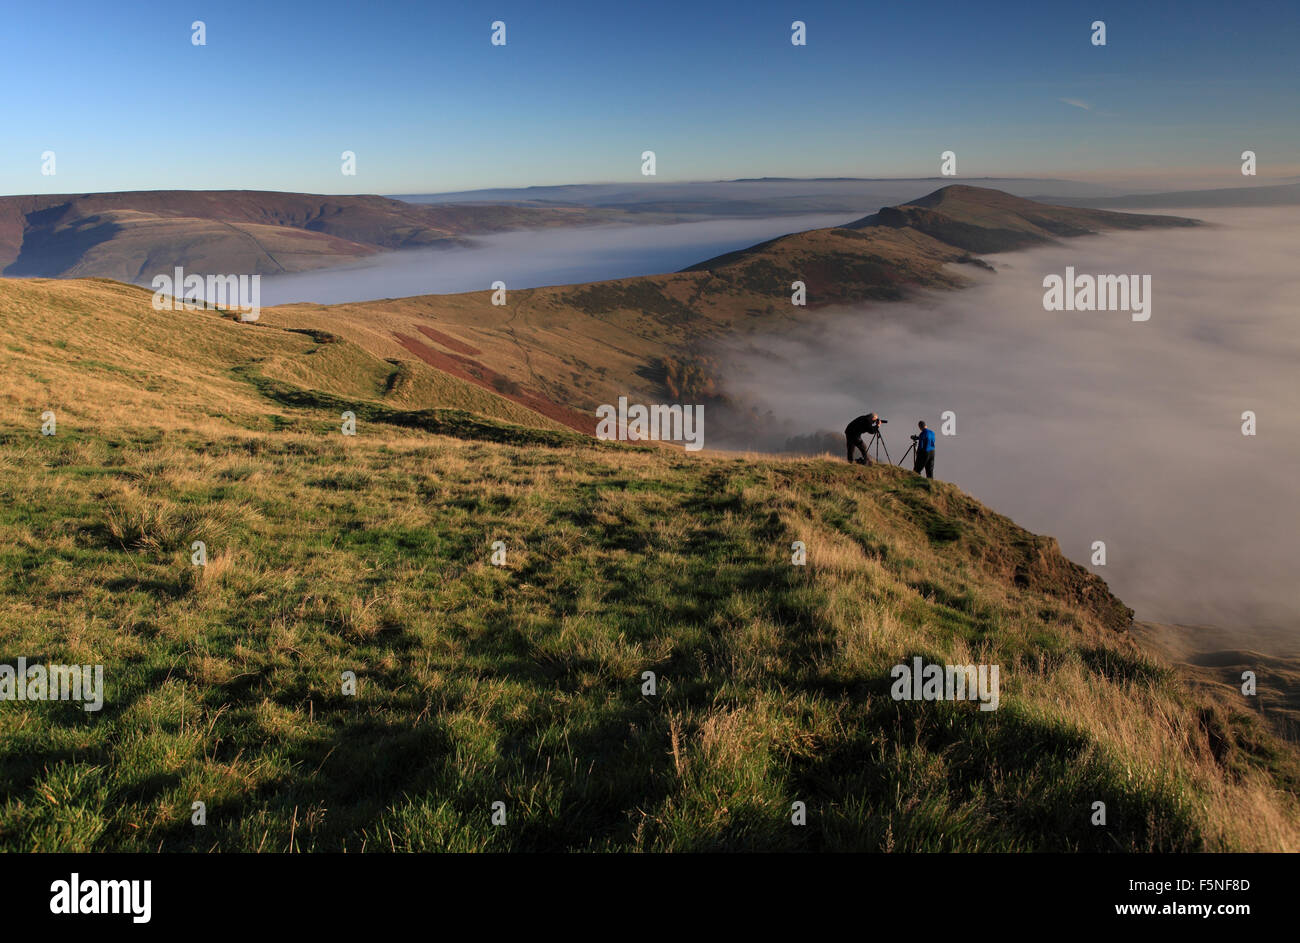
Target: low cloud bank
(1087,425)
(529,258)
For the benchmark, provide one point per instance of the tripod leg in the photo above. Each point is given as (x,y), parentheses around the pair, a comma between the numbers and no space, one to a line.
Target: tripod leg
(905,454)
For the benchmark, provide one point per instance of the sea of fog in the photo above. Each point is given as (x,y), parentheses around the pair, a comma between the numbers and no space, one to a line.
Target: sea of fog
(528,259)
(1087,425)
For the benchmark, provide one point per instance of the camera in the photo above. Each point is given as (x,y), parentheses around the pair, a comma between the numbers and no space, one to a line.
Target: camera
(882,421)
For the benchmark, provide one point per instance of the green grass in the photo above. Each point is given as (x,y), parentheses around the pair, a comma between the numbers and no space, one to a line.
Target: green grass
(522,684)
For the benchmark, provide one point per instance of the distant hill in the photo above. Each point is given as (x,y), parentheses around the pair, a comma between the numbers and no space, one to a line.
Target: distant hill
(133,236)
(655,200)
(1270,195)
(880,254)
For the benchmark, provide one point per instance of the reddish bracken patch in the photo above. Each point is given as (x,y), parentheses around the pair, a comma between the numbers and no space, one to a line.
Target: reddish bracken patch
(446,340)
(489,379)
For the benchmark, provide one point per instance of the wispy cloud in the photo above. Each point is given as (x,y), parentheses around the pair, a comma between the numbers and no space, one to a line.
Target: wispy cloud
(1077,103)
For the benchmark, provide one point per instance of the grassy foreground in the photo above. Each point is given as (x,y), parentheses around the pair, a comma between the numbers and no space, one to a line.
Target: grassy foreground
(522,683)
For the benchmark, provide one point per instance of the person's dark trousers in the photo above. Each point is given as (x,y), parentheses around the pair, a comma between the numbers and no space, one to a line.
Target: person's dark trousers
(924,463)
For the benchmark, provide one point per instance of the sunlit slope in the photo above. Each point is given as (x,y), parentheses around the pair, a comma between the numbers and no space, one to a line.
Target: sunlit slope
(96,352)
(522,683)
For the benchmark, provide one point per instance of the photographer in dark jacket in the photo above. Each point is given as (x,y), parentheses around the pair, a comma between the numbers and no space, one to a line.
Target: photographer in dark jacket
(870,424)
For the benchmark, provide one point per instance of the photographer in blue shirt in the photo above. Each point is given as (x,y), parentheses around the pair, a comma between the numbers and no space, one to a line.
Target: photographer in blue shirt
(924,450)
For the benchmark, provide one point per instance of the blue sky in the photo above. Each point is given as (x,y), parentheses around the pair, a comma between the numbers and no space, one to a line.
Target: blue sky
(281,89)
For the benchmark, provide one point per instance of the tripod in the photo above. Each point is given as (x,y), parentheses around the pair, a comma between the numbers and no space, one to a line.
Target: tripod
(905,454)
(878,441)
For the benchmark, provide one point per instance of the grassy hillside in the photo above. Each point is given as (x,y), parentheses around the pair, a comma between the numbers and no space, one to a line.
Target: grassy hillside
(96,353)
(522,683)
